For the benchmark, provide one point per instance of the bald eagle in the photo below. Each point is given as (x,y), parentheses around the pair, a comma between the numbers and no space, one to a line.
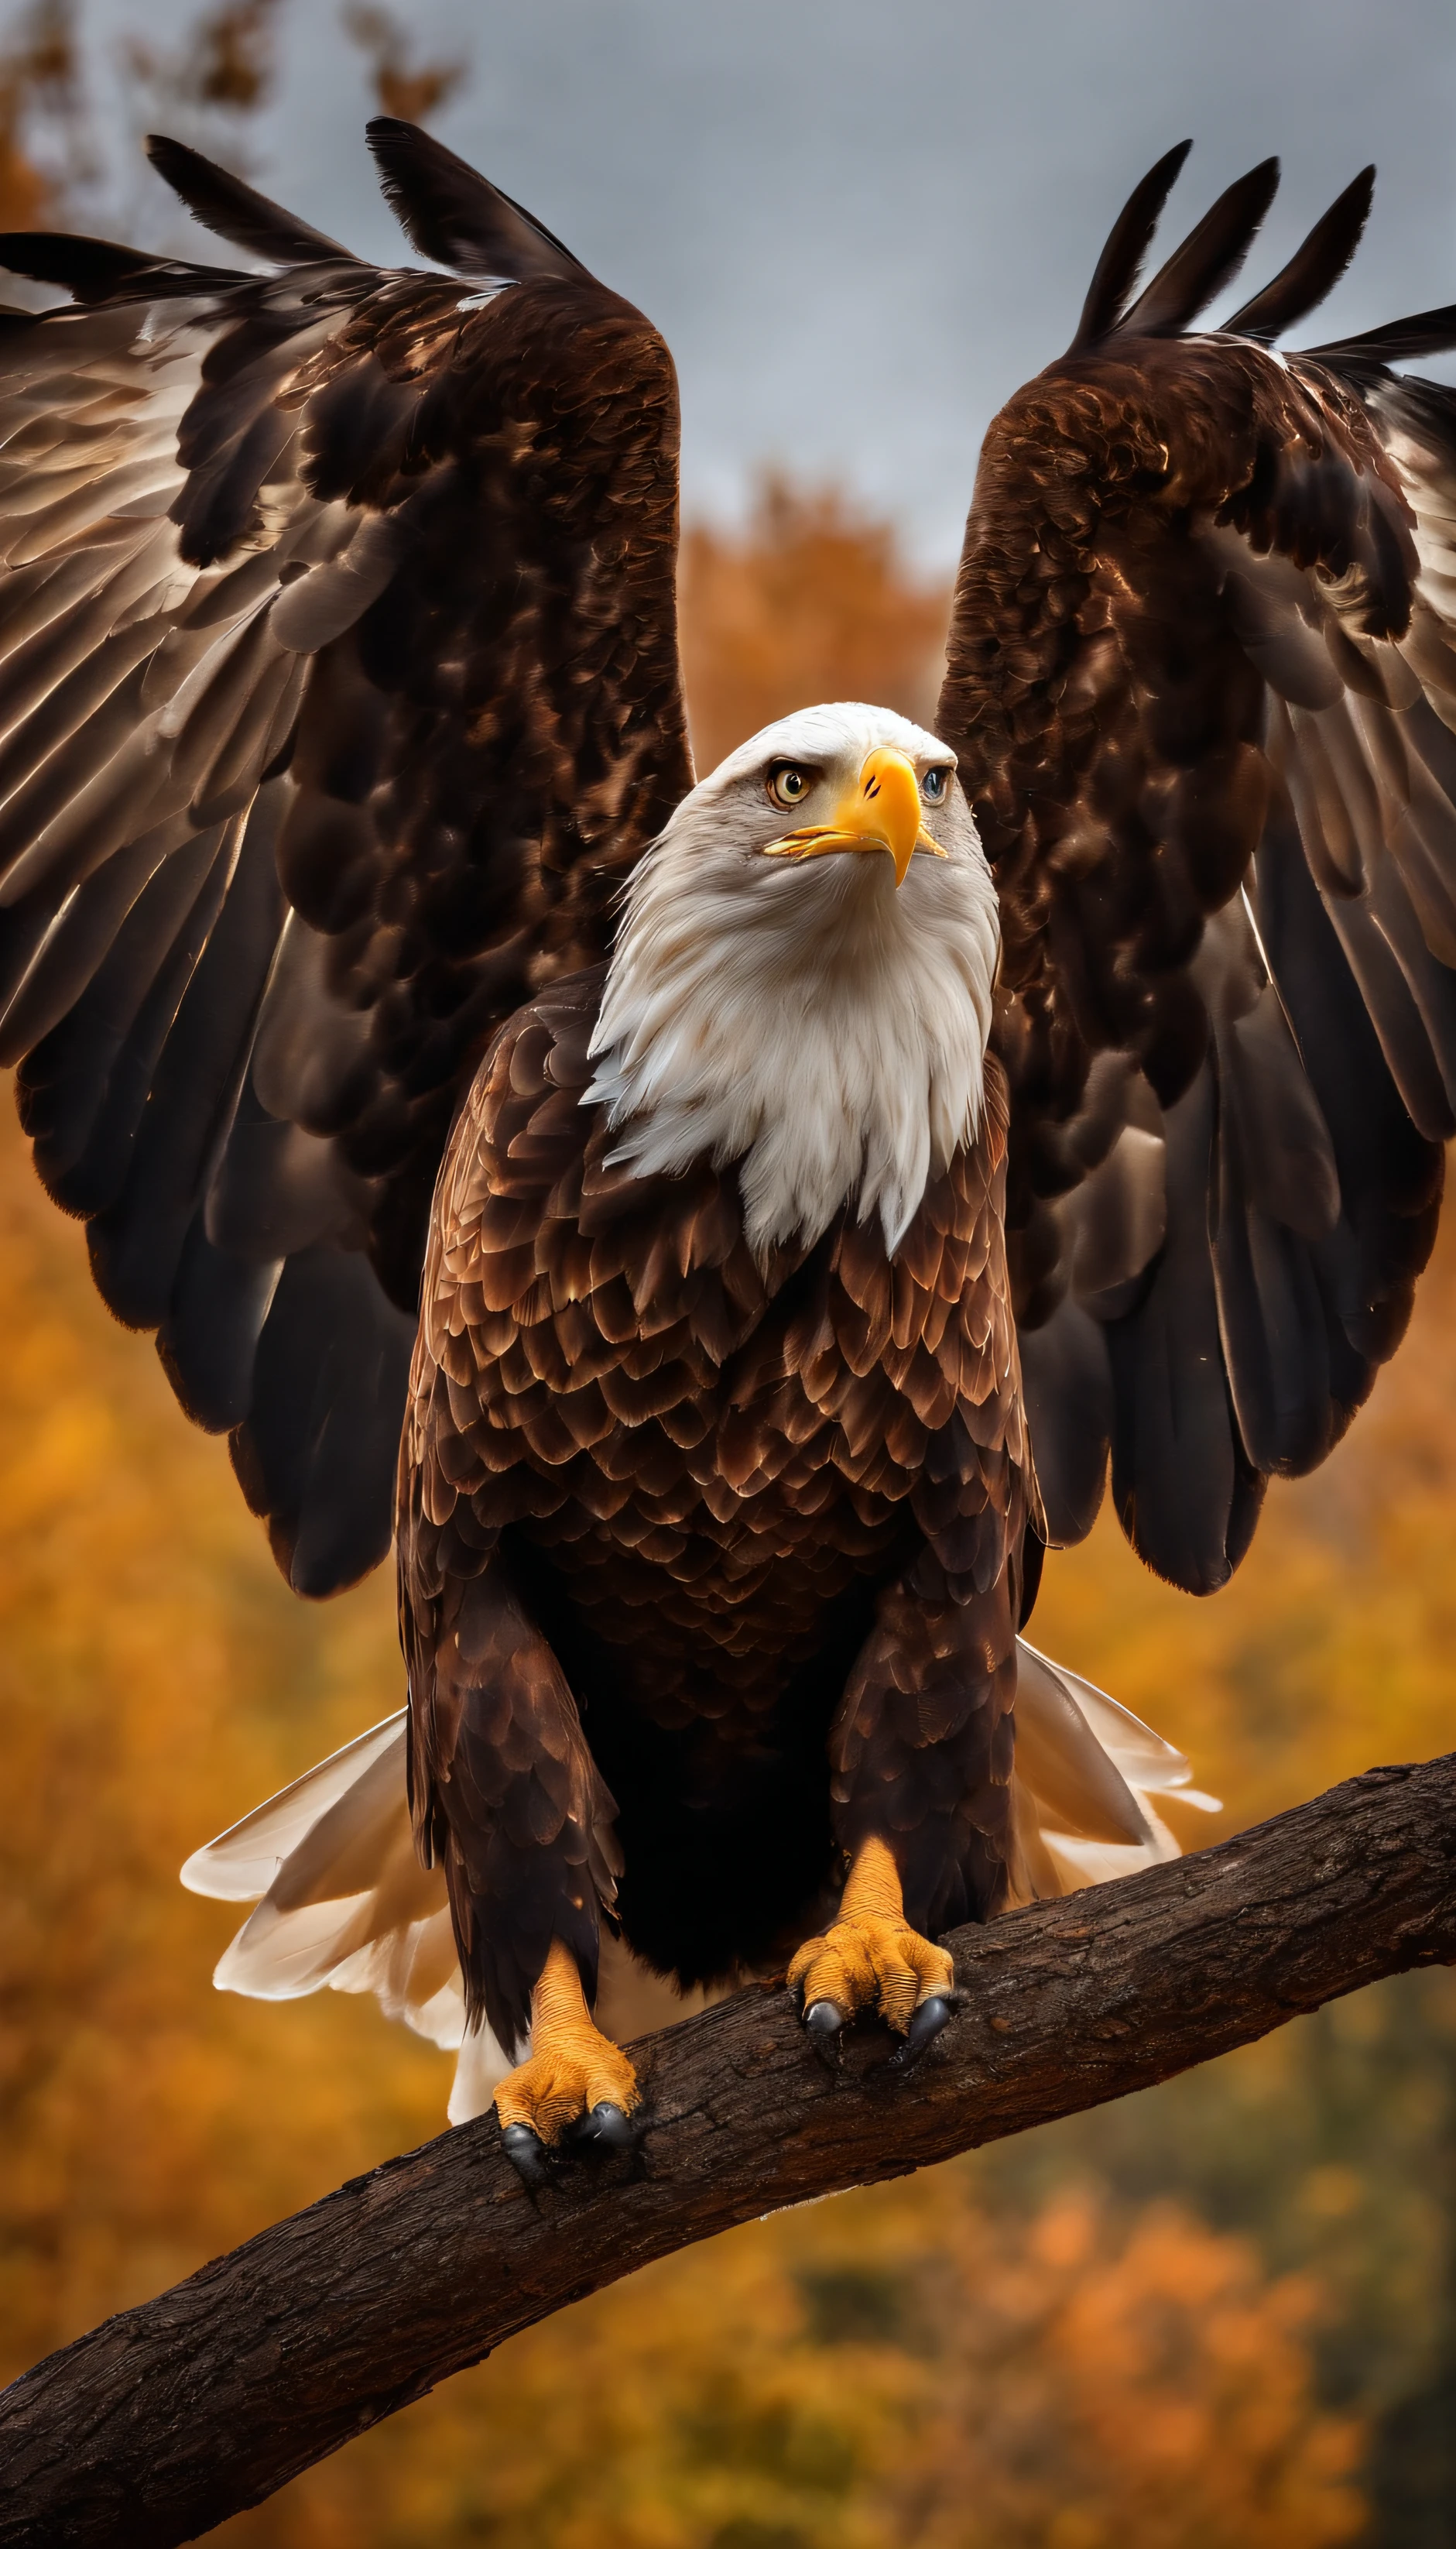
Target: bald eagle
(722,1231)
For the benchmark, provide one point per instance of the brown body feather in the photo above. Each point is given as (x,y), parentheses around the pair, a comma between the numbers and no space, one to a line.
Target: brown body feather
(749,1503)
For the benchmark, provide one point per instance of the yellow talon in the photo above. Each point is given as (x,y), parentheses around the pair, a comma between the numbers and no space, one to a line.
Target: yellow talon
(573,2067)
(869,1958)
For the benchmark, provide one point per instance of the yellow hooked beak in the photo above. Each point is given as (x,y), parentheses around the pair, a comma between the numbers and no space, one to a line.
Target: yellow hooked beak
(880,811)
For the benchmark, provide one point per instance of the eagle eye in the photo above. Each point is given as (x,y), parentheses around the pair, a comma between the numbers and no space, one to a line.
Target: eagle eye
(789,782)
(935,786)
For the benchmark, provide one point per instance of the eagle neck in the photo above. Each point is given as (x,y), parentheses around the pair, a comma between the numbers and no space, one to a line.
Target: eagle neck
(806,1023)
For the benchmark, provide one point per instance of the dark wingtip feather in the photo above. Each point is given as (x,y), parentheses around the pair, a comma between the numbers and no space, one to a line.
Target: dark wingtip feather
(1313,270)
(1209,257)
(452,214)
(238,212)
(95,271)
(1129,240)
(1429,332)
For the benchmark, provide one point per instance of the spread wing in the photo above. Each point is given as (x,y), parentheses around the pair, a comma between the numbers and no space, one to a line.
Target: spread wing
(1203,685)
(338,688)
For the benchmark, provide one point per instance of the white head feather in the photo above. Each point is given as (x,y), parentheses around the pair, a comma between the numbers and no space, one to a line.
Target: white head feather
(801,1015)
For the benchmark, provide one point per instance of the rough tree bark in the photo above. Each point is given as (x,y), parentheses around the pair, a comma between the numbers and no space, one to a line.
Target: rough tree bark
(166,2419)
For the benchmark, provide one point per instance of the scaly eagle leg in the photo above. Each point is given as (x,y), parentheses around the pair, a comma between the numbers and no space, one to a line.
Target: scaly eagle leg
(871,1961)
(573,2075)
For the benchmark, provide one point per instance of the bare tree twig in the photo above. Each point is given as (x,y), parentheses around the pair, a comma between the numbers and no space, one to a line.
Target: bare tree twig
(172,2416)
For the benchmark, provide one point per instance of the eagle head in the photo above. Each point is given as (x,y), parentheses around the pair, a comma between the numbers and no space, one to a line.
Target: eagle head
(801,980)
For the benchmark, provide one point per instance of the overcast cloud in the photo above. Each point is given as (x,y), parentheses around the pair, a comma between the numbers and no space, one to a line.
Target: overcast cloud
(861,225)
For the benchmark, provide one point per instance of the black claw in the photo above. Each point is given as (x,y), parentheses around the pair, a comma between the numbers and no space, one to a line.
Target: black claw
(526,2153)
(928,2021)
(925,2026)
(592,2136)
(611,2127)
(824,2024)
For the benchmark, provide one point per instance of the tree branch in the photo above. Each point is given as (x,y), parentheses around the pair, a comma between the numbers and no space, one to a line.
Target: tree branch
(172,2416)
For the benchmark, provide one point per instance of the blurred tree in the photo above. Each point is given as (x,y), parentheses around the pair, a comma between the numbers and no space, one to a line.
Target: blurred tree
(40,100)
(1110,2383)
(211,86)
(1333,2143)
(810,601)
(228,59)
(411,90)
(156,1676)
(207,88)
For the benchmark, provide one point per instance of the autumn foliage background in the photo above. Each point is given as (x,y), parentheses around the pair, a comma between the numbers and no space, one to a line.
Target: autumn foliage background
(1220,2316)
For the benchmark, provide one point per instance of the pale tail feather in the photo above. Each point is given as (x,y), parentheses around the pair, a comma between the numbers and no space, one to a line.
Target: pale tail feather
(242,1863)
(346,1903)
(1086,1773)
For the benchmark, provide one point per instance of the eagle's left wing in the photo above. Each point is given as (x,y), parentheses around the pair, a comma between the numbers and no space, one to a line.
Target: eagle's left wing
(339,689)
(1202,688)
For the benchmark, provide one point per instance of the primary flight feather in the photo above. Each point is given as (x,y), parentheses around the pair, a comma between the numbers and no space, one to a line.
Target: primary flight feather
(722,1230)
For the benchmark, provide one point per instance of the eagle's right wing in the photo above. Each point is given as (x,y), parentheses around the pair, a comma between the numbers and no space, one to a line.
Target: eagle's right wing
(339,689)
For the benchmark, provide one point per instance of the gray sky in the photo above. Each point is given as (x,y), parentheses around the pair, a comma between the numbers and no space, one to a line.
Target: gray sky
(861,223)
